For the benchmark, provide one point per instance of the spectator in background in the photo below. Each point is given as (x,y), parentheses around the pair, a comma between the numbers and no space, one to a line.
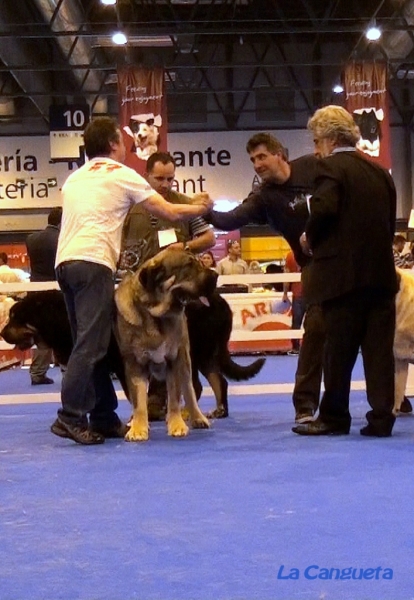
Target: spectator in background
(232,264)
(8,275)
(208,260)
(402,261)
(270,269)
(255,268)
(41,250)
(298,304)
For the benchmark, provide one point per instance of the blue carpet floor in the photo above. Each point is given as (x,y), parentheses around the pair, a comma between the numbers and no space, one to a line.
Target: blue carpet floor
(224,514)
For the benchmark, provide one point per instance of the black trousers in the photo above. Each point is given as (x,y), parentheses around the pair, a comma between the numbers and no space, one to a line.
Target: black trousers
(364,318)
(309,370)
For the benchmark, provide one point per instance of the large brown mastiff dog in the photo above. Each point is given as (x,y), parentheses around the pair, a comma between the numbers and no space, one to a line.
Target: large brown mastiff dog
(404,335)
(151,330)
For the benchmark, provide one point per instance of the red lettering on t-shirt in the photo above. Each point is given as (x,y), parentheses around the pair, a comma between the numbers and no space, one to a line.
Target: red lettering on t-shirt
(107,166)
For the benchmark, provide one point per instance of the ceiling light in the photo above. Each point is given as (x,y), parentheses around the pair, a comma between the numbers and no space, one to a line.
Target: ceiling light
(119,38)
(108,2)
(144,41)
(338,89)
(373,33)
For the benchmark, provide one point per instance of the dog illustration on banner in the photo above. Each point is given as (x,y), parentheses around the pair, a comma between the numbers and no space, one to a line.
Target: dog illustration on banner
(144,130)
(369,123)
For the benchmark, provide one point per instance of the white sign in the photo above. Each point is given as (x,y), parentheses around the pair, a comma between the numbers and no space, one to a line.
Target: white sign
(27,177)
(215,162)
(218,163)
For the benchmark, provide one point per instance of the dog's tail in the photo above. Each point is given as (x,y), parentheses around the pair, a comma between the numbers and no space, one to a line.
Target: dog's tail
(237,372)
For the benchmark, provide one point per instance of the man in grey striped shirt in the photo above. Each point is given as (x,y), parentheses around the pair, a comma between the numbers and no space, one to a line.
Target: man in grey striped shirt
(402,261)
(150,233)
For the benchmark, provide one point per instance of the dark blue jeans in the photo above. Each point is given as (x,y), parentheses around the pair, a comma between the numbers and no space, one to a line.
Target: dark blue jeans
(87,387)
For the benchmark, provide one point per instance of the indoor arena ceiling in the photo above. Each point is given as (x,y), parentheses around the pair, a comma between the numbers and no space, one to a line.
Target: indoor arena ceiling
(241,64)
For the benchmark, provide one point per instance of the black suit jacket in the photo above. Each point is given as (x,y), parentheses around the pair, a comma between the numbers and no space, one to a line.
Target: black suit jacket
(41,249)
(350,228)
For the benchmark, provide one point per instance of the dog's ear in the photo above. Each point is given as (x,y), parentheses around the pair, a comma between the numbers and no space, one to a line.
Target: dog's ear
(151,276)
(149,122)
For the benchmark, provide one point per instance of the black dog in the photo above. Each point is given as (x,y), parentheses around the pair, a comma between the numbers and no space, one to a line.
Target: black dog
(42,315)
(209,329)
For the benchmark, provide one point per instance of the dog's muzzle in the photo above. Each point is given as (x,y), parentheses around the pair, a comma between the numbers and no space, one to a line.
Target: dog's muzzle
(22,337)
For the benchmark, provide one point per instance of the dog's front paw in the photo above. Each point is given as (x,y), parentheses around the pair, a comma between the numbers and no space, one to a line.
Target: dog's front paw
(177,427)
(138,432)
(200,422)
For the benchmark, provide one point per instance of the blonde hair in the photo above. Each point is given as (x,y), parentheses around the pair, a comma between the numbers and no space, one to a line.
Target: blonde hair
(335,123)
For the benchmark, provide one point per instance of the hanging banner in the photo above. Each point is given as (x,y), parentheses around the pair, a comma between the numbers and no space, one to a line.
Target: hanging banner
(142,114)
(366,97)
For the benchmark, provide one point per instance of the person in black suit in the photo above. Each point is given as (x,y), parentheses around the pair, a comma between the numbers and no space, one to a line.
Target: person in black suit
(352,274)
(41,249)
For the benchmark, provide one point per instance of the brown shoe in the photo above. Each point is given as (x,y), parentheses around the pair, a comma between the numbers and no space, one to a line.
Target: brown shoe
(77,433)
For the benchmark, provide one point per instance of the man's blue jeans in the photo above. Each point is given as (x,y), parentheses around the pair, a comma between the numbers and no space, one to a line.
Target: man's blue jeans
(87,387)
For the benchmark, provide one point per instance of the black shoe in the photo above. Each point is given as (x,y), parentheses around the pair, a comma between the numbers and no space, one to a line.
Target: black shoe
(42,381)
(77,433)
(116,430)
(406,406)
(370,431)
(318,427)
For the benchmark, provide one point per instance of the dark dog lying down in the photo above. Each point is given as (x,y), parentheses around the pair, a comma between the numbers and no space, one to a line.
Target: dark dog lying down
(43,315)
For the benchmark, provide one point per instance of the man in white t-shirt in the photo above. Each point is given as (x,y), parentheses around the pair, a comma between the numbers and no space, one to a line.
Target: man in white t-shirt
(96,199)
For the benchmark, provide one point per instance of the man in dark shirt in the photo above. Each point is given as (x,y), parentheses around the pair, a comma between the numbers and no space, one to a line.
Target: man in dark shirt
(280,202)
(41,249)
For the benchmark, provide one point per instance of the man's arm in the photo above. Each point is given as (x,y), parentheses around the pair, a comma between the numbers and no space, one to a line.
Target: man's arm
(250,211)
(202,242)
(156,205)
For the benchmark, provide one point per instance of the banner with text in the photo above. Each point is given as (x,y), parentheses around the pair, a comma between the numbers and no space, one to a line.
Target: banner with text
(142,114)
(216,162)
(366,97)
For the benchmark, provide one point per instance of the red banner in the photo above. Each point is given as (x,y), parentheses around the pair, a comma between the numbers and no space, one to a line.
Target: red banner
(142,114)
(366,97)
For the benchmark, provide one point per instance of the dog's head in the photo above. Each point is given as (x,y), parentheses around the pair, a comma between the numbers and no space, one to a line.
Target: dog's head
(144,134)
(18,330)
(40,316)
(164,284)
